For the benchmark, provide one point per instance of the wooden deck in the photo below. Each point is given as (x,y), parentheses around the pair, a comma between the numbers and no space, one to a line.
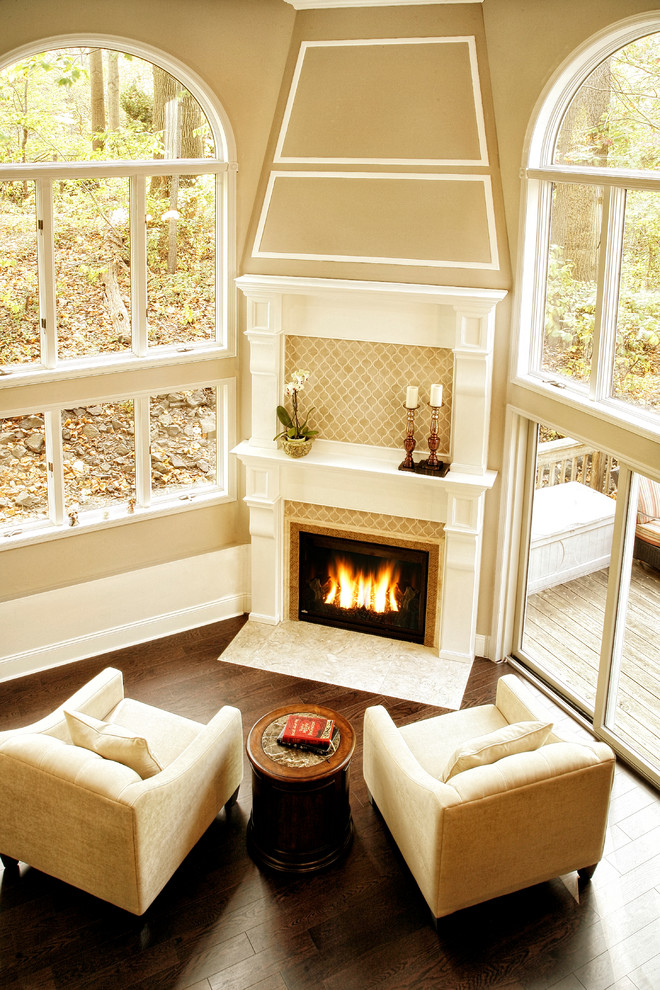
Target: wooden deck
(563,631)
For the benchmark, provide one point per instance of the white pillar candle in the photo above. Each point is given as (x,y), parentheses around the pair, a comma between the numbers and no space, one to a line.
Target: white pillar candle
(412,393)
(436,395)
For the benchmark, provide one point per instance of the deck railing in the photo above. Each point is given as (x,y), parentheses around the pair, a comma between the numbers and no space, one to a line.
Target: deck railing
(558,461)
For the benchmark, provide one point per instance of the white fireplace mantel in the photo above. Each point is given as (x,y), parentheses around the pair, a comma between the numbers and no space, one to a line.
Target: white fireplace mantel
(366,478)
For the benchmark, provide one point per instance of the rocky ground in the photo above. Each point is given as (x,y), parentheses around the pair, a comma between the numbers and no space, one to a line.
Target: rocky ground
(98,444)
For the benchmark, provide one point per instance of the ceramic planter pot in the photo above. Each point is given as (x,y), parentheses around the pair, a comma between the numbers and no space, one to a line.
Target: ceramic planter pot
(298,447)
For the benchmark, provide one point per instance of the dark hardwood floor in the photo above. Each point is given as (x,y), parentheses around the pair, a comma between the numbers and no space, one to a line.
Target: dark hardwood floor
(222,924)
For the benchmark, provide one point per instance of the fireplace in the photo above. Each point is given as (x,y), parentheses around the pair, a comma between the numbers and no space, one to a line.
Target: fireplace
(364,586)
(348,484)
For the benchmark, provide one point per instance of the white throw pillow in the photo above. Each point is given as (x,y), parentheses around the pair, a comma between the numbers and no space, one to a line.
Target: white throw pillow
(519,737)
(113,742)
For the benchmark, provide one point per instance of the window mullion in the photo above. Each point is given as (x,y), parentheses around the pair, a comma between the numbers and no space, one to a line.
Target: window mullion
(609,275)
(55,462)
(142,451)
(221,314)
(138,195)
(46,268)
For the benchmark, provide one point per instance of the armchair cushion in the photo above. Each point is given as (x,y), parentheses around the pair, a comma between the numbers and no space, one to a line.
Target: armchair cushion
(519,737)
(113,742)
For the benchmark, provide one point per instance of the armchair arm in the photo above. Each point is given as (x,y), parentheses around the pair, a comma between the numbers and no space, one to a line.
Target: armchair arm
(174,808)
(516,702)
(412,802)
(97,698)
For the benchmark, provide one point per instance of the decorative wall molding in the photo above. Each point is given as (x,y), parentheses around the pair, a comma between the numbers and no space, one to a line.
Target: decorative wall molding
(322,223)
(387,128)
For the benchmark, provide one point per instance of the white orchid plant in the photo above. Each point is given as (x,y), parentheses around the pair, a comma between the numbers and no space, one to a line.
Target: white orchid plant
(293,430)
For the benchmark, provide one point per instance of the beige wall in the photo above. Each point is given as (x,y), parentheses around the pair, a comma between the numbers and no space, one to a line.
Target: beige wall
(246,51)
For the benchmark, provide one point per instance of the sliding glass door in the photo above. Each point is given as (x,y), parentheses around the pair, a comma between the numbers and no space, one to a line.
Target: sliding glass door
(628,706)
(589,606)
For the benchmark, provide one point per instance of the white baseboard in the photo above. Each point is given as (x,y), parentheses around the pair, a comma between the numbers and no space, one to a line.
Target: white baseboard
(481,646)
(68,624)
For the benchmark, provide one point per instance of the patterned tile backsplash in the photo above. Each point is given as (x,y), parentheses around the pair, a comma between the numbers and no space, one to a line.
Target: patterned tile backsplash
(366,522)
(357,389)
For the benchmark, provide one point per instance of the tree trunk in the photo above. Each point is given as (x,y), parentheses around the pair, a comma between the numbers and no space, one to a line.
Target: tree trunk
(121,321)
(577,209)
(165,90)
(97,97)
(24,131)
(191,120)
(113,91)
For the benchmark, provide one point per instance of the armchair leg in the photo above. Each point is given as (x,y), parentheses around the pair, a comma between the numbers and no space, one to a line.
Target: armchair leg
(9,862)
(587,872)
(233,799)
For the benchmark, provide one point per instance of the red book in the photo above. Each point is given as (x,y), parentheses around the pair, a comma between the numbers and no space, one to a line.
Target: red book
(308,730)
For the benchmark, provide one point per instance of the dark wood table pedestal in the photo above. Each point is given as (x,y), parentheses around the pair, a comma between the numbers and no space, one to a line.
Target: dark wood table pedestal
(301,815)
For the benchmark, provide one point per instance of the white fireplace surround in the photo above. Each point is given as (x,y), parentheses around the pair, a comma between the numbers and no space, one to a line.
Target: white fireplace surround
(361,477)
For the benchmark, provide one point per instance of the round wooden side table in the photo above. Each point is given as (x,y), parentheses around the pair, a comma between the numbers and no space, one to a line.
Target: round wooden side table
(301,814)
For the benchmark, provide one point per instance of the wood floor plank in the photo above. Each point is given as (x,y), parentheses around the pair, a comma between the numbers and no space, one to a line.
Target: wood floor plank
(223,923)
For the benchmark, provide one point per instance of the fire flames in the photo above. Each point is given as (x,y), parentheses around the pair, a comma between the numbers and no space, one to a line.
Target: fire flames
(351,588)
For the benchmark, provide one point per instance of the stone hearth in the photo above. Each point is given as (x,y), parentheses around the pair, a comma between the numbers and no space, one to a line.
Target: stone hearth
(351,659)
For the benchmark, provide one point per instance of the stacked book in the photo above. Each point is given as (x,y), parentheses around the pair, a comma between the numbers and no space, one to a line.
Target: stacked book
(307,732)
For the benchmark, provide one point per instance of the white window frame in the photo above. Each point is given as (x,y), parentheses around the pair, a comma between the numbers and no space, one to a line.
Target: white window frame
(83,377)
(147,503)
(538,175)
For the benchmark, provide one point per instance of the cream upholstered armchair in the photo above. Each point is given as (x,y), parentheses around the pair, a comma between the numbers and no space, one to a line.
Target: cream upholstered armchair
(487,800)
(110,794)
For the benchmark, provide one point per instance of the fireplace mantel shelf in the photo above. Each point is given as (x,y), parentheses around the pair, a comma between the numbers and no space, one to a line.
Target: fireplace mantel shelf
(377,462)
(352,476)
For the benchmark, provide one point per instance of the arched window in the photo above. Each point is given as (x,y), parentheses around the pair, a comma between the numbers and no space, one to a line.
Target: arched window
(116,216)
(591,287)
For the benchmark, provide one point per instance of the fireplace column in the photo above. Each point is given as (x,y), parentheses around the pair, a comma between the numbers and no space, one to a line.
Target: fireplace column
(264,332)
(460,585)
(473,361)
(263,488)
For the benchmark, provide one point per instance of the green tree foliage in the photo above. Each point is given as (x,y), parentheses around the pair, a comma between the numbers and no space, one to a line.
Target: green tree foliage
(46,115)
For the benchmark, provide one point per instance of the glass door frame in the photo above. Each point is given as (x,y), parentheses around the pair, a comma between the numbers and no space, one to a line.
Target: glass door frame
(601,718)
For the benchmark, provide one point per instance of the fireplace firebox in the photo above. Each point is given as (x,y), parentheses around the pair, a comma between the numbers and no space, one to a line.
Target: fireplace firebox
(363,586)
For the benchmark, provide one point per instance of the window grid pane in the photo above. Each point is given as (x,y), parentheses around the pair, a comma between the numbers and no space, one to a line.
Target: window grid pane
(23,477)
(637,355)
(99,457)
(92,262)
(19,281)
(181,260)
(572,280)
(184,448)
